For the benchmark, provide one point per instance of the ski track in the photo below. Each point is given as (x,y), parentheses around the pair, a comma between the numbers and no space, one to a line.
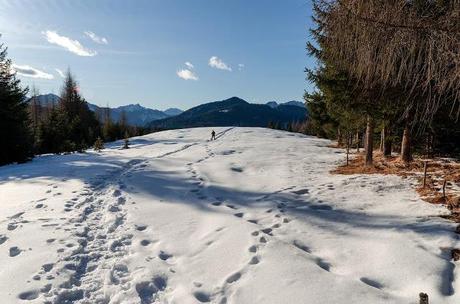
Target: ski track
(94,261)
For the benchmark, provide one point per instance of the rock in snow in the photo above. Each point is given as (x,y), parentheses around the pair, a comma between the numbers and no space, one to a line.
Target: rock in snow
(180,219)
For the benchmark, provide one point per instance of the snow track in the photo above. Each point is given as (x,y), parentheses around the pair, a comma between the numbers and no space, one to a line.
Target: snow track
(253,217)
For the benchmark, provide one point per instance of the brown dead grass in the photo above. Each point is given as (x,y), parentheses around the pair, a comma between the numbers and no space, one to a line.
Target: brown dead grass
(438,171)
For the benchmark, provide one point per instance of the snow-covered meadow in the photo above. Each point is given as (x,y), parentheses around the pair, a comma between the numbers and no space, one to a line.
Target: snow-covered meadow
(253,217)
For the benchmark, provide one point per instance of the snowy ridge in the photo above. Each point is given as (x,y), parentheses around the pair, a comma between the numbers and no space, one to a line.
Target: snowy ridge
(253,217)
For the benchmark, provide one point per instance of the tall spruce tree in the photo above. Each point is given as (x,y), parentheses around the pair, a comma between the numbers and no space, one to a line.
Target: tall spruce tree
(15,132)
(82,128)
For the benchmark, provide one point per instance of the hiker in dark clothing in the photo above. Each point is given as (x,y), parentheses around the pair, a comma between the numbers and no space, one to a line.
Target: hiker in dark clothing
(213,135)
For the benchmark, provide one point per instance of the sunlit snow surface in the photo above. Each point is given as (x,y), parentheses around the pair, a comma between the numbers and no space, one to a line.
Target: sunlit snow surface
(253,217)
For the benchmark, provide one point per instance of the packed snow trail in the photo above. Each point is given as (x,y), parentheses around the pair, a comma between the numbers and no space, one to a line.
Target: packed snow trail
(253,217)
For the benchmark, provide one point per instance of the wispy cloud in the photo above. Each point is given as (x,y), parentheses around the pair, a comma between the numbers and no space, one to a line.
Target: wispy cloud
(240,66)
(96,38)
(60,72)
(28,71)
(217,63)
(73,46)
(187,74)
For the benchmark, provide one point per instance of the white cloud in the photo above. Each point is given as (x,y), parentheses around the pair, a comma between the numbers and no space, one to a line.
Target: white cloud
(28,71)
(96,38)
(217,63)
(240,66)
(187,75)
(189,65)
(60,72)
(71,45)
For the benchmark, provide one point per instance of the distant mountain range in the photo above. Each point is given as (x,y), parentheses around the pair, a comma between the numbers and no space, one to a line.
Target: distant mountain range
(230,112)
(274,104)
(136,114)
(234,112)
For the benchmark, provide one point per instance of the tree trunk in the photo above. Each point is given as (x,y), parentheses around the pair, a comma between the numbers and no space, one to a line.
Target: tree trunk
(348,148)
(369,141)
(382,138)
(406,153)
(339,137)
(358,142)
(388,142)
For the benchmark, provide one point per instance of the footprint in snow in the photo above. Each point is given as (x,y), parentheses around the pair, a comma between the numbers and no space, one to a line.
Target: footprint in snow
(240,214)
(233,278)
(301,246)
(267,231)
(148,289)
(47,267)
(254,260)
(14,251)
(202,296)
(141,227)
(12,226)
(372,283)
(28,295)
(323,264)
(164,256)
(237,169)
(118,272)
(253,249)
(3,238)
(17,215)
(301,191)
(145,242)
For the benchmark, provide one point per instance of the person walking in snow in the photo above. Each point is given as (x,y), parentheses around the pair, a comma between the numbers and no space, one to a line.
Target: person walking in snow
(213,135)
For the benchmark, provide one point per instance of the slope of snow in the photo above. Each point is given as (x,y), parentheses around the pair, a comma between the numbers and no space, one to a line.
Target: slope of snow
(253,217)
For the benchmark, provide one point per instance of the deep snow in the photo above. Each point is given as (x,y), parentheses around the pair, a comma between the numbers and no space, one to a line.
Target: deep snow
(253,217)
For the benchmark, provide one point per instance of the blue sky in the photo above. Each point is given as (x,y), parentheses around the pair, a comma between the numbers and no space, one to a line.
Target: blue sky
(161,54)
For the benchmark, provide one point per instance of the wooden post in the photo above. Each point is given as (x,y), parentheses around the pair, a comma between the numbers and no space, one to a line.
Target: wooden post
(369,141)
(358,142)
(406,152)
(423,298)
(348,148)
(444,189)
(425,168)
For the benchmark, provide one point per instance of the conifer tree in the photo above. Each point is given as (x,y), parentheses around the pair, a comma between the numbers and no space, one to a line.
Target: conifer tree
(98,145)
(15,132)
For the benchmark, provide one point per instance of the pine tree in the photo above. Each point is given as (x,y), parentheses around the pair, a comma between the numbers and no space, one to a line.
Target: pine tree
(82,126)
(15,132)
(70,126)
